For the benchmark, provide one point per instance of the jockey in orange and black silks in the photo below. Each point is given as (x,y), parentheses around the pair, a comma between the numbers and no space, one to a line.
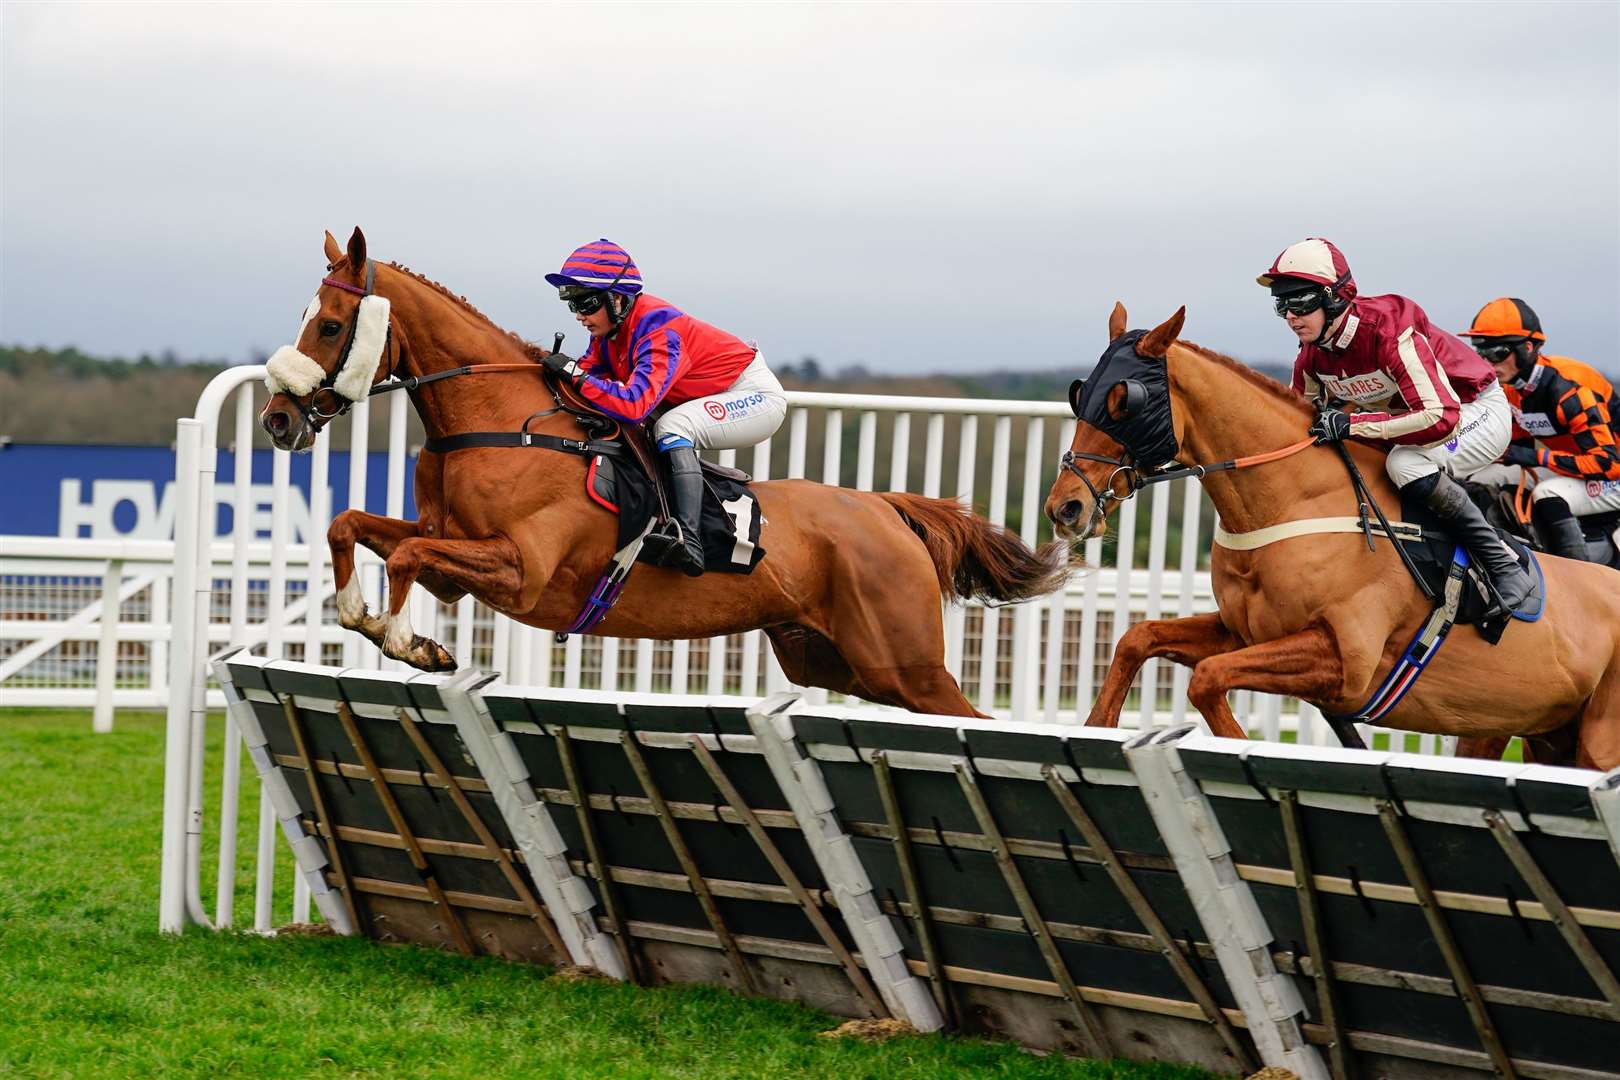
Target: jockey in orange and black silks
(1411,387)
(703,387)
(1564,437)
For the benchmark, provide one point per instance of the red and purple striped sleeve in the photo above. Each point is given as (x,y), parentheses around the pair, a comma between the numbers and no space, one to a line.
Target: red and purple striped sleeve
(655,361)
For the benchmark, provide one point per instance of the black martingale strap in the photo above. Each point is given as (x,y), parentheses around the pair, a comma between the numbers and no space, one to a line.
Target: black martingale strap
(414,381)
(1365,500)
(485,440)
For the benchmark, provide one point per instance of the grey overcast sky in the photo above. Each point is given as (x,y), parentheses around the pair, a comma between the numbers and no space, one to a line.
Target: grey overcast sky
(916,187)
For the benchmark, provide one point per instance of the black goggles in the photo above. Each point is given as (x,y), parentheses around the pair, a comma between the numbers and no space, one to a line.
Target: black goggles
(587,305)
(1298,303)
(1495,351)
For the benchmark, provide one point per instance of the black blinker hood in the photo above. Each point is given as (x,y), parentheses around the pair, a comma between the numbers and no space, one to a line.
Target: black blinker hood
(1147,431)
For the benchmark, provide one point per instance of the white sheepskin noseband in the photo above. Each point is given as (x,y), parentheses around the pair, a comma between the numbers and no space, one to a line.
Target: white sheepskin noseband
(370,337)
(290,371)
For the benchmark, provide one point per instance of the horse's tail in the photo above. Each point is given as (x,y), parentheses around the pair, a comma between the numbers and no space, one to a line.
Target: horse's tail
(975,559)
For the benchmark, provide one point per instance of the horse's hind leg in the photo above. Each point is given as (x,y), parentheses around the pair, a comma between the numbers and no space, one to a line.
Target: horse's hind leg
(1599,745)
(1485,747)
(492,569)
(899,659)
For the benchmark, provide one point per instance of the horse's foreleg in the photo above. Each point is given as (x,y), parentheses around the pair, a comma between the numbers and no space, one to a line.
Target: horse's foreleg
(491,569)
(1186,641)
(1304,665)
(382,535)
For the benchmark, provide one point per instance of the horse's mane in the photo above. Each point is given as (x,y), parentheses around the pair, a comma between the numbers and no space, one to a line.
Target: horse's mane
(533,352)
(1259,380)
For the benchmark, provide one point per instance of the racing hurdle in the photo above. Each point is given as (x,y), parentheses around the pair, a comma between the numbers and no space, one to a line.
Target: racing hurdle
(1157,895)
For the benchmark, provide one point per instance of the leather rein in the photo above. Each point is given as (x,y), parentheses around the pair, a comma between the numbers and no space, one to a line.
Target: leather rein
(594,423)
(1101,501)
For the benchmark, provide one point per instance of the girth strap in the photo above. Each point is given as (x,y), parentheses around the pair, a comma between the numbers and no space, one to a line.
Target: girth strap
(485,440)
(1422,648)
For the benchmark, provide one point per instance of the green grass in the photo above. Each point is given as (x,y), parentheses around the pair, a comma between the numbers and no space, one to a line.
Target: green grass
(89,988)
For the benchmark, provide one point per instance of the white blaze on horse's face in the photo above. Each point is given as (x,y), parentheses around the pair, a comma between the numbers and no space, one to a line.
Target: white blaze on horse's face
(310,312)
(290,371)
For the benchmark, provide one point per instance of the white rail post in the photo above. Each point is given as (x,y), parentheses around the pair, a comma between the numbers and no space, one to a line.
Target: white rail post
(1026,644)
(177,747)
(230,788)
(990,627)
(112,580)
(956,617)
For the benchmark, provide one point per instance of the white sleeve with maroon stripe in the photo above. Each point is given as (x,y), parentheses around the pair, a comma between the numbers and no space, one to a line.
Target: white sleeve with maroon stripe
(1412,364)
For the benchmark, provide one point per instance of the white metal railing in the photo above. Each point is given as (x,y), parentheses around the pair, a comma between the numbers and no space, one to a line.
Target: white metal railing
(1040,660)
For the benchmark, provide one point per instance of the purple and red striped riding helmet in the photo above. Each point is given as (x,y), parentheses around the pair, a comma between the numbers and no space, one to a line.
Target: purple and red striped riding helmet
(601,264)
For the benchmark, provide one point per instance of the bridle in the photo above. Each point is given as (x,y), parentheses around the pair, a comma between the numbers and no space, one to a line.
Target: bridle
(1102,501)
(1145,427)
(311,404)
(317,411)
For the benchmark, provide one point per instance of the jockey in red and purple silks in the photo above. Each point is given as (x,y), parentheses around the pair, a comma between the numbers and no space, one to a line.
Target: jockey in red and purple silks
(647,358)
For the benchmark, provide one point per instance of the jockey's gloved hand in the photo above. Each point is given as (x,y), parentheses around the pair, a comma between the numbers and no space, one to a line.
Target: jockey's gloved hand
(566,366)
(1331,426)
(1520,454)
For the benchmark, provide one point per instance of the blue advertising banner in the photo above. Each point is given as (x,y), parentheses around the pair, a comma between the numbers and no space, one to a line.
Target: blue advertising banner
(127,492)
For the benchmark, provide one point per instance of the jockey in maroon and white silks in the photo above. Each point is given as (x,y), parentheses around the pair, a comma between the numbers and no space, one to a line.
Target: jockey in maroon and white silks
(1411,387)
(1410,377)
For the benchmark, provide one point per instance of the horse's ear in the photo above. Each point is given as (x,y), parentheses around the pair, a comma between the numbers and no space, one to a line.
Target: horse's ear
(1126,398)
(1116,321)
(357,249)
(333,252)
(1157,342)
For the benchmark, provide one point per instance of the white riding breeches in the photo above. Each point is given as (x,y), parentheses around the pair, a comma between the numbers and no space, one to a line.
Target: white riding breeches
(1583,497)
(1483,431)
(746,413)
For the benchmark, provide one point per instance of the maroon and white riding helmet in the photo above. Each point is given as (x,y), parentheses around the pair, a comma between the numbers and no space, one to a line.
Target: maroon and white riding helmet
(1314,260)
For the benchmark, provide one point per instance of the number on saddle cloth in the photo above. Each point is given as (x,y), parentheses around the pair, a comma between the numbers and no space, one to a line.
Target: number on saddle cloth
(730,521)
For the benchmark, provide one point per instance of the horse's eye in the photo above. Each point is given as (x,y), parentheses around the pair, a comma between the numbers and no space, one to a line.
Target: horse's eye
(330,327)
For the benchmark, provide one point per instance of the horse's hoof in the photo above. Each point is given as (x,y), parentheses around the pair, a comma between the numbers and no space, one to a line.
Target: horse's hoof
(431,656)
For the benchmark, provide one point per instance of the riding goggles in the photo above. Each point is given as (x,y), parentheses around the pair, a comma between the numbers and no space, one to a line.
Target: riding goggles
(1495,351)
(1299,303)
(587,305)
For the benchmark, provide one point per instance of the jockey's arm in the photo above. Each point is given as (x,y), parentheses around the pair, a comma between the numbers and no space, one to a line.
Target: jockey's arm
(1586,417)
(1411,364)
(656,358)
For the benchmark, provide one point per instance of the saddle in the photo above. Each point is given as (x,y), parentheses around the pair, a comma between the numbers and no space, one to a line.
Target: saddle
(1600,531)
(1436,554)
(632,485)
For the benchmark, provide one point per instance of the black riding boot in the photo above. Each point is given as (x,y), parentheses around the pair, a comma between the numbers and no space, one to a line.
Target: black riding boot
(1485,546)
(1560,530)
(686,474)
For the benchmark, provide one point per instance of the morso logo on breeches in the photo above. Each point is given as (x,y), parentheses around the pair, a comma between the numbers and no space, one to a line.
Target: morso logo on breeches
(737,407)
